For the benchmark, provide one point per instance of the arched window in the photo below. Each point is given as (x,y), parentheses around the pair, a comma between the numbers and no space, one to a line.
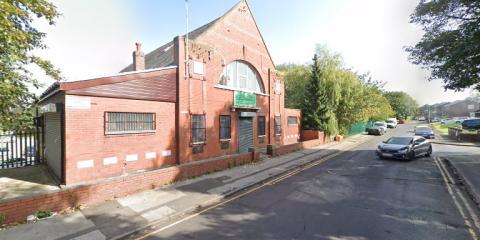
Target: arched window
(240,75)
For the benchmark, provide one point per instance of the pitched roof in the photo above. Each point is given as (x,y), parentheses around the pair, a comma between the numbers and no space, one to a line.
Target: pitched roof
(164,55)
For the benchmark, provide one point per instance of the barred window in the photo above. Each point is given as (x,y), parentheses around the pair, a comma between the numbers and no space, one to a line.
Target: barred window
(292,120)
(129,122)
(261,125)
(225,127)
(278,125)
(198,129)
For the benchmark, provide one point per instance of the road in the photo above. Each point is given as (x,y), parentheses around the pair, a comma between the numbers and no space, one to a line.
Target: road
(352,196)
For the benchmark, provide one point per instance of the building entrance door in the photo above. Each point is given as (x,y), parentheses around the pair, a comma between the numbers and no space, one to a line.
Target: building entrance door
(245,134)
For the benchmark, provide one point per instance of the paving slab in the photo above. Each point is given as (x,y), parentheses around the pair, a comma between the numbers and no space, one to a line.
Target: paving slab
(25,181)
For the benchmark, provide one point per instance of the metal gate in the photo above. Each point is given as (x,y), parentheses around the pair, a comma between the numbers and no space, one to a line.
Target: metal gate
(245,134)
(22,148)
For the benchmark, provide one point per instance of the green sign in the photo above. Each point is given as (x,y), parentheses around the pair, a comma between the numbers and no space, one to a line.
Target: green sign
(244,99)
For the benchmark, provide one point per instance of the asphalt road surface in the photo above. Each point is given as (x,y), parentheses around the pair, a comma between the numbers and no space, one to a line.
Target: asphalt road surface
(353,196)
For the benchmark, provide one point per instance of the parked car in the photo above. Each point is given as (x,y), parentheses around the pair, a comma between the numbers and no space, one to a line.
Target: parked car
(382,125)
(425,132)
(447,121)
(404,148)
(473,123)
(392,123)
(421,119)
(376,129)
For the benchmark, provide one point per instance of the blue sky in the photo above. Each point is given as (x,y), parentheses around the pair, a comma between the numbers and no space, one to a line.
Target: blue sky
(95,38)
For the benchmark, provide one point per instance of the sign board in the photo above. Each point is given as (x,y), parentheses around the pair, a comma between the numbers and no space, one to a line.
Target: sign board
(51,107)
(244,99)
(198,67)
(248,114)
(277,88)
(76,102)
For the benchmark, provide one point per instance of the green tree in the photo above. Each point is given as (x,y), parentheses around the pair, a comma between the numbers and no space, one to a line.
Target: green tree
(312,108)
(296,79)
(402,103)
(18,39)
(450,47)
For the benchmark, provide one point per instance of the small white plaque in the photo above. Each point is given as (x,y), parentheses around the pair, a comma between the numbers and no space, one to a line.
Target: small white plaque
(132,157)
(85,164)
(150,155)
(110,160)
(76,102)
(198,67)
(166,153)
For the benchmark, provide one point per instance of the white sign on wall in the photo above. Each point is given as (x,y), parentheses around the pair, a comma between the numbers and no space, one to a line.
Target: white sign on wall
(277,88)
(470,107)
(198,67)
(76,102)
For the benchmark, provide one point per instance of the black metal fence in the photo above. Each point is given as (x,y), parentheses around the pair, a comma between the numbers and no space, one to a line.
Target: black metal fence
(21,149)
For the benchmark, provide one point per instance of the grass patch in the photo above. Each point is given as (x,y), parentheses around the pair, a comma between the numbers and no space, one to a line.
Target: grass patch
(3,218)
(43,214)
(443,128)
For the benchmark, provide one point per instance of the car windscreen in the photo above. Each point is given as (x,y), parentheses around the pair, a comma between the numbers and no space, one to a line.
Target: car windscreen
(400,140)
(390,121)
(423,129)
(379,124)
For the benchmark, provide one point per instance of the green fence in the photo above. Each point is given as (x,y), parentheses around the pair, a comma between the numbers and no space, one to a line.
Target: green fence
(359,128)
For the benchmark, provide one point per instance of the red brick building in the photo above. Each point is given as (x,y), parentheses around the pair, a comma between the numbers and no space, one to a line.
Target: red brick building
(163,110)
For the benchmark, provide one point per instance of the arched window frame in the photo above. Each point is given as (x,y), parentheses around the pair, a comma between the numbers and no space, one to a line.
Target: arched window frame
(245,86)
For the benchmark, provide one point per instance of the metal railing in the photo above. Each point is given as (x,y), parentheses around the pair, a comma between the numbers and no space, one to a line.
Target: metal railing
(21,149)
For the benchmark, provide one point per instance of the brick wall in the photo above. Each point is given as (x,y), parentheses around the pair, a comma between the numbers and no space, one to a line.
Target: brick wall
(91,154)
(73,196)
(292,131)
(277,150)
(235,37)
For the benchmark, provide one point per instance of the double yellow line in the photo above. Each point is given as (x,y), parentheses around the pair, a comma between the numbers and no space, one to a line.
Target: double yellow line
(265,184)
(448,179)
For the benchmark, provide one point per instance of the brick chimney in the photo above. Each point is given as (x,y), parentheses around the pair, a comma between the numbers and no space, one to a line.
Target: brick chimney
(138,58)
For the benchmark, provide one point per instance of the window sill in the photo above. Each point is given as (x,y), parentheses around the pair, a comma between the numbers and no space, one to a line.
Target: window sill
(238,89)
(129,132)
(225,140)
(198,143)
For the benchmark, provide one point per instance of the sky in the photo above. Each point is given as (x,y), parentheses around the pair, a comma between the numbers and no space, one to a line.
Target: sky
(96,38)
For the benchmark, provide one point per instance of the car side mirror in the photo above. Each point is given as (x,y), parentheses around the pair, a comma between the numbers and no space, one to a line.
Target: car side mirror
(384,141)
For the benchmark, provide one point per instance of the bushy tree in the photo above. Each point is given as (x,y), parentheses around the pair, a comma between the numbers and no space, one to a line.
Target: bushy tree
(450,47)
(402,103)
(18,38)
(296,78)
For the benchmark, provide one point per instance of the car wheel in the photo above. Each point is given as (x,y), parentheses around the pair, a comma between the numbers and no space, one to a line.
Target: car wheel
(429,152)
(410,156)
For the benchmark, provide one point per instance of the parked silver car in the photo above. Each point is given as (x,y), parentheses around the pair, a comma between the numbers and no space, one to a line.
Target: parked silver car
(405,148)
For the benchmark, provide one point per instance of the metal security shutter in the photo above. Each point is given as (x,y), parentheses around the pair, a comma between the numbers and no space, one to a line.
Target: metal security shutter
(245,134)
(53,143)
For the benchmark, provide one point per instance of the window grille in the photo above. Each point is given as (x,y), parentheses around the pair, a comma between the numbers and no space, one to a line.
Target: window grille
(261,126)
(198,129)
(129,122)
(225,127)
(292,120)
(278,125)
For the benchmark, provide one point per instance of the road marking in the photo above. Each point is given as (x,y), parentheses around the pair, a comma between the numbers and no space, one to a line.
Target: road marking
(265,184)
(455,200)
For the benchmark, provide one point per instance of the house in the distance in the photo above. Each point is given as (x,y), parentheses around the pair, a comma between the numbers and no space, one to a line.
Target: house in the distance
(224,101)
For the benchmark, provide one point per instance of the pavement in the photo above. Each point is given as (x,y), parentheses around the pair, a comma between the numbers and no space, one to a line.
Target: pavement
(26,181)
(123,216)
(463,158)
(354,195)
